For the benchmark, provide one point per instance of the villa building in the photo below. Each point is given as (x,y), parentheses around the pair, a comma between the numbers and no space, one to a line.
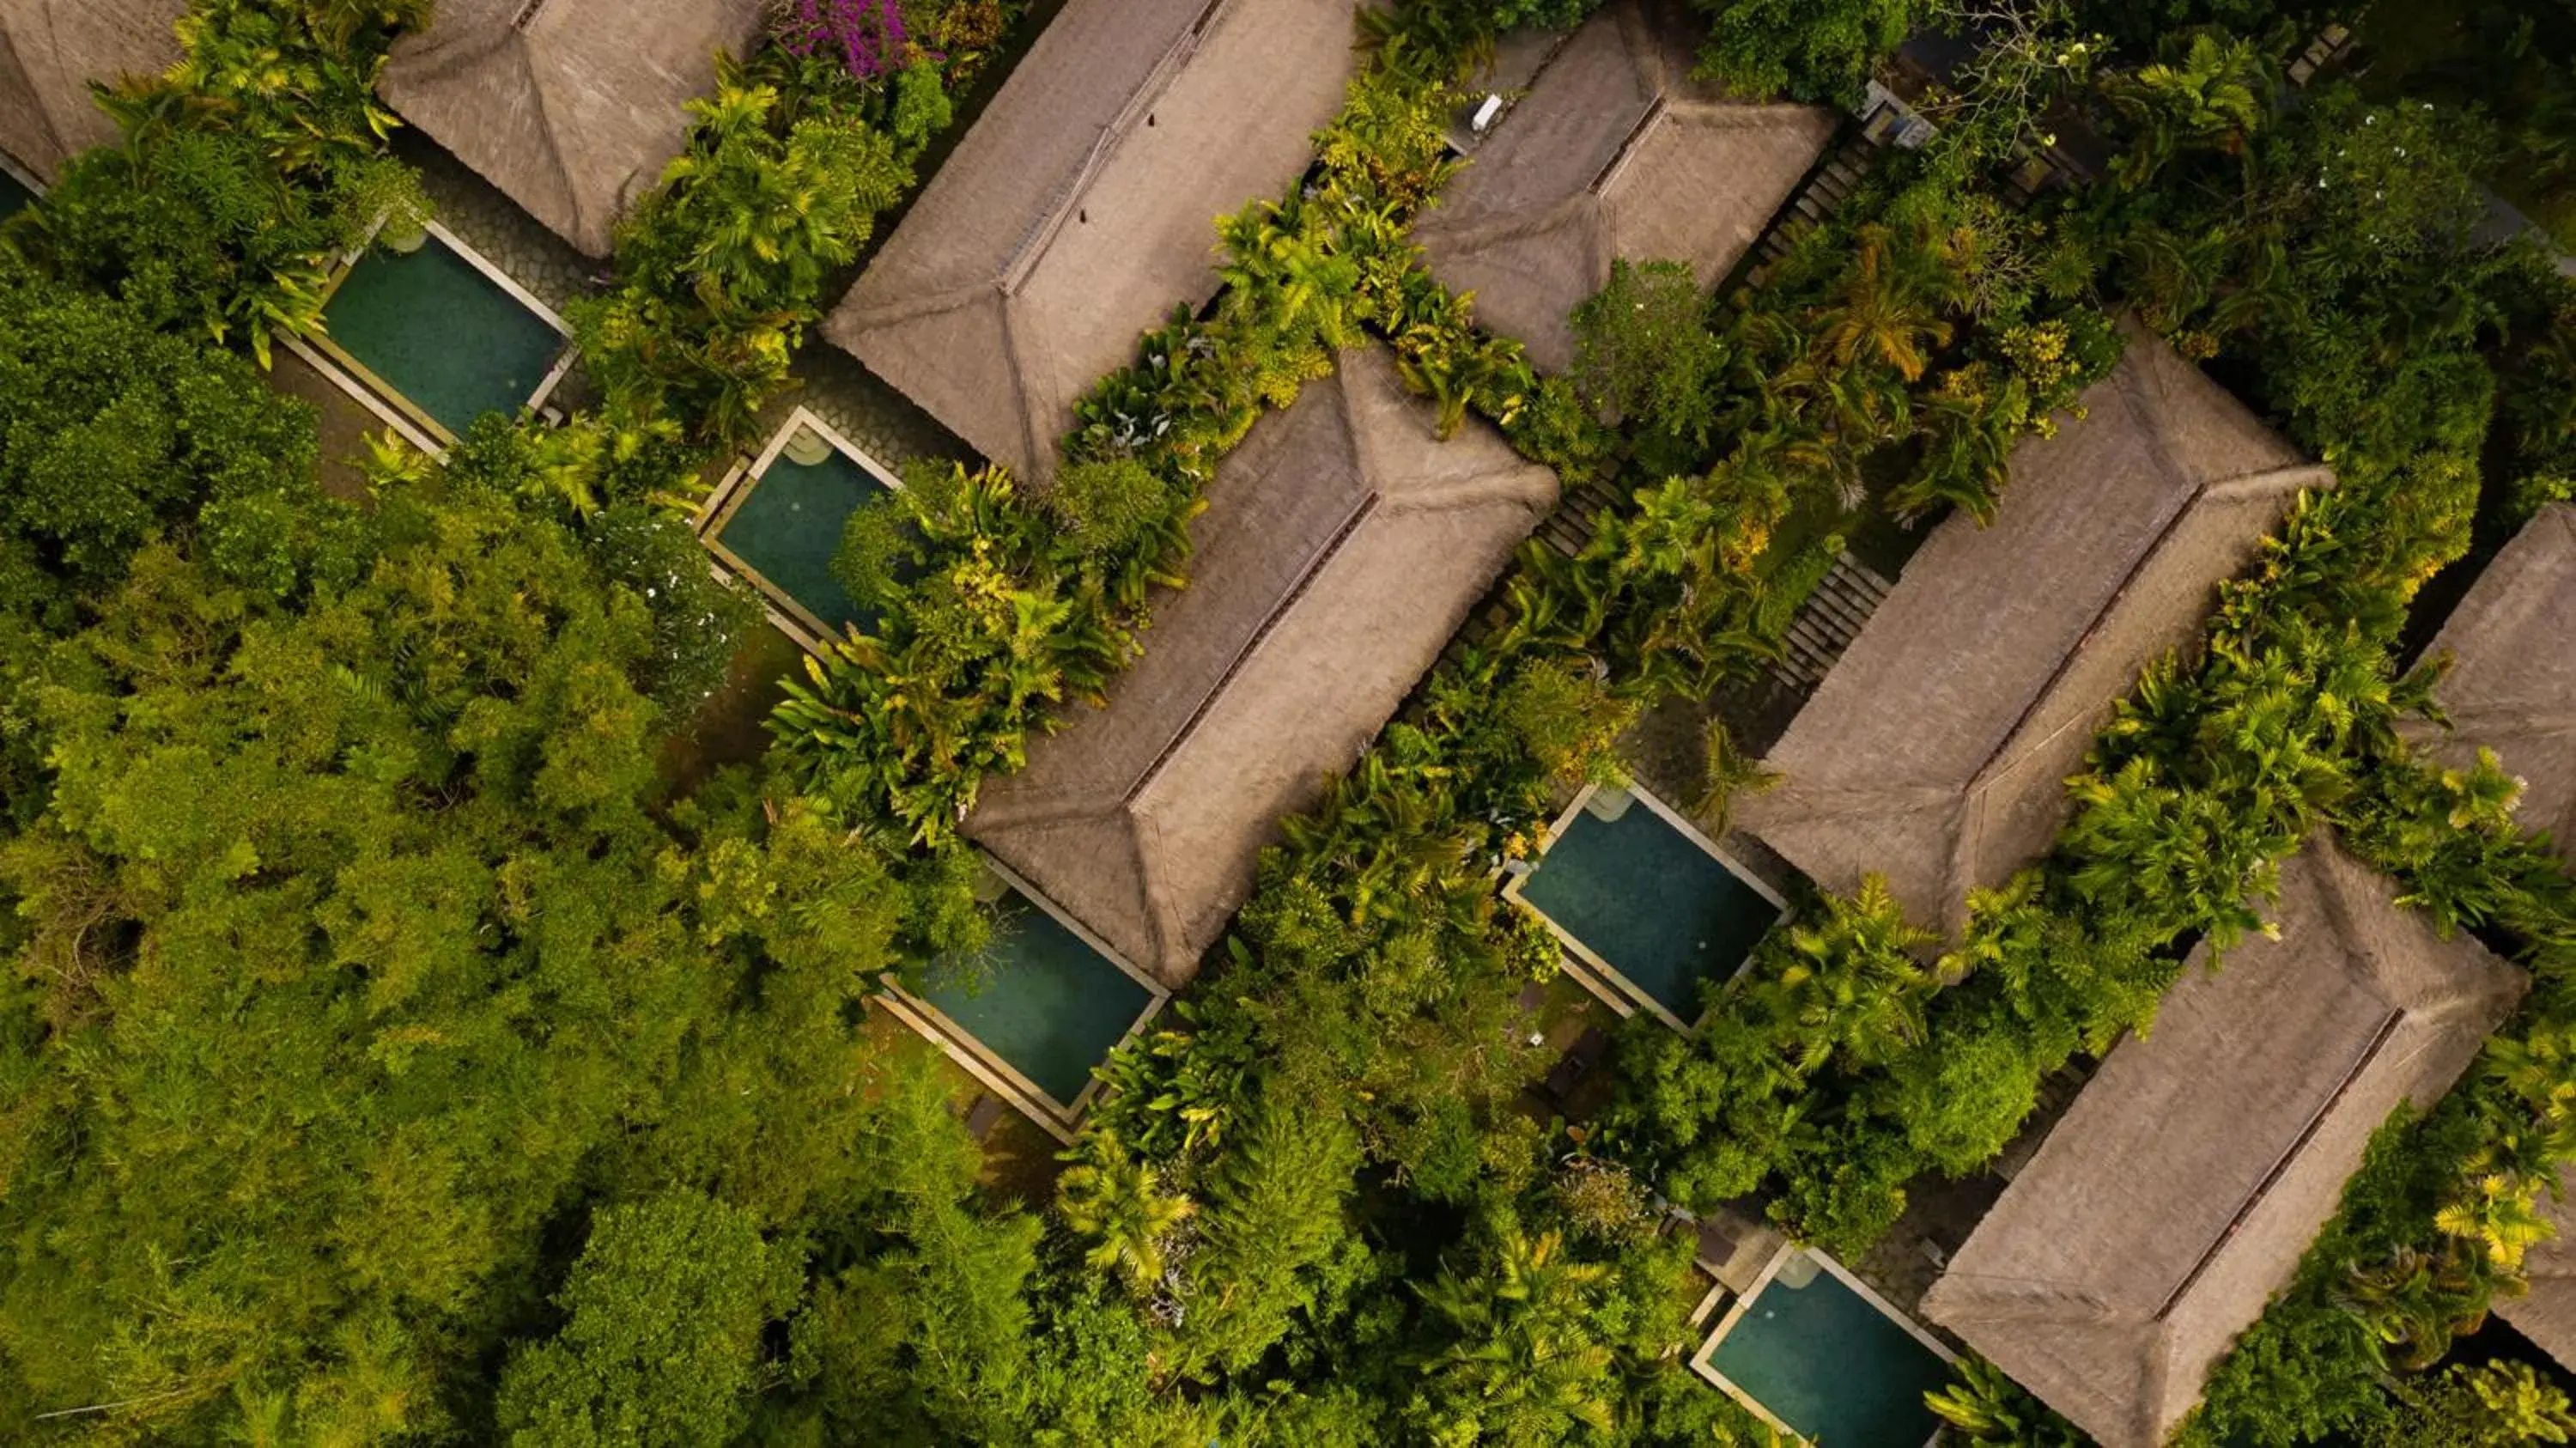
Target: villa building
(2512,689)
(1615,152)
(1082,207)
(1342,546)
(1936,752)
(2182,1187)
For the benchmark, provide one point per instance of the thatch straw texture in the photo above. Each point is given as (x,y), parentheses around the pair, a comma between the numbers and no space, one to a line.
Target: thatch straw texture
(1615,152)
(2512,689)
(571,107)
(2512,682)
(50,51)
(1935,752)
(2179,1192)
(1082,206)
(1343,544)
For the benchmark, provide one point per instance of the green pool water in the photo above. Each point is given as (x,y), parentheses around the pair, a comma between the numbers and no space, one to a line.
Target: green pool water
(1646,898)
(441,333)
(789,526)
(1044,1001)
(1824,1360)
(14,197)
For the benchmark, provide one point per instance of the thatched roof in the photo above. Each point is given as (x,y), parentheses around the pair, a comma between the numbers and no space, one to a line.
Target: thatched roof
(1615,152)
(1082,207)
(572,107)
(1342,546)
(2512,683)
(2512,689)
(50,51)
(1936,751)
(2179,1192)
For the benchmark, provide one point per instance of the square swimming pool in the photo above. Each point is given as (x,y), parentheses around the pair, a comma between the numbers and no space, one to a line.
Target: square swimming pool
(785,525)
(1042,1000)
(1646,897)
(1827,1359)
(441,334)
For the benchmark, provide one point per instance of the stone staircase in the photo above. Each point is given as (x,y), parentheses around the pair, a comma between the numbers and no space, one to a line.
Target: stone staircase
(2328,46)
(1827,623)
(1828,186)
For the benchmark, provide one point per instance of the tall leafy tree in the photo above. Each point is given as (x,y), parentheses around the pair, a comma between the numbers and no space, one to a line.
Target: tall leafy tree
(1521,1364)
(353,958)
(662,1341)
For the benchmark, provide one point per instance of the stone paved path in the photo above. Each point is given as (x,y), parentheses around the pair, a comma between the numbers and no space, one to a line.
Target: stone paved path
(491,223)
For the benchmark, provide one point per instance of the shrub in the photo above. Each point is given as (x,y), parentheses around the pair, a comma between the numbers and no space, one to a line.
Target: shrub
(1646,356)
(697,619)
(1109,506)
(1811,50)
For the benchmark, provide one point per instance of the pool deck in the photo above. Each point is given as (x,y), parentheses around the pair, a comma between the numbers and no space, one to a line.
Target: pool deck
(1058,1118)
(381,397)
(1700,1360)
(1586,964)
(793,618)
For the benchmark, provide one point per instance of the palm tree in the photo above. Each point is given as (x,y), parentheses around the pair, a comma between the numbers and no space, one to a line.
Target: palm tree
(1880,312)
(1731,774)
(2216,96)
(1987,1407)
(1847,983)
(2501,1216)
(1521,1366)
(1117,1199)
(1283,259)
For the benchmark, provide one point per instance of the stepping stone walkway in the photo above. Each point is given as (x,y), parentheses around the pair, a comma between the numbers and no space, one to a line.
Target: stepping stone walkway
(1829,620)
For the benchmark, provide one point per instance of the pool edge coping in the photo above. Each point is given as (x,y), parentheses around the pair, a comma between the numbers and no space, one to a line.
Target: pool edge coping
(380,396)
(1587,966)
(1058,1118)
(1699,1359)
(789,616)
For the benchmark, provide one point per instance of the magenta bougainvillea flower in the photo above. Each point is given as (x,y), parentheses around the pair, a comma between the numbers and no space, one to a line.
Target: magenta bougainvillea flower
(869,34)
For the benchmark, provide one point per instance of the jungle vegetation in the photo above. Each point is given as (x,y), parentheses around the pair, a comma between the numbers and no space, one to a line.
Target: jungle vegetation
(393,1053)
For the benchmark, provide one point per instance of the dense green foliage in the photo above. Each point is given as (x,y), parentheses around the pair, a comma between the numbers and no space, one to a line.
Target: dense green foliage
(1813,50)
(665,1307)
(389,1054)
(245,171)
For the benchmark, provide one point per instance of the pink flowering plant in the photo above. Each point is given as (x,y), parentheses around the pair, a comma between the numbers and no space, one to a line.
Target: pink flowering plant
(869,35)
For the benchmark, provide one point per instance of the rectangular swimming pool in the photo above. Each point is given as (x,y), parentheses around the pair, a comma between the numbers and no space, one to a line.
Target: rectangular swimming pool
(441,334)
(1037,1011)
(778,524)
(1817,1353)
(1647,902)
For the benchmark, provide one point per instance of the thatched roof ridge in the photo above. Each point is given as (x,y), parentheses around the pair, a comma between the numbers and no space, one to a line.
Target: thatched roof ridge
(50,51)
(2512,682)
(2181,1189)
(1936,750)
(1615,152)
(1342,546)
(571,107)
(1081,208)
